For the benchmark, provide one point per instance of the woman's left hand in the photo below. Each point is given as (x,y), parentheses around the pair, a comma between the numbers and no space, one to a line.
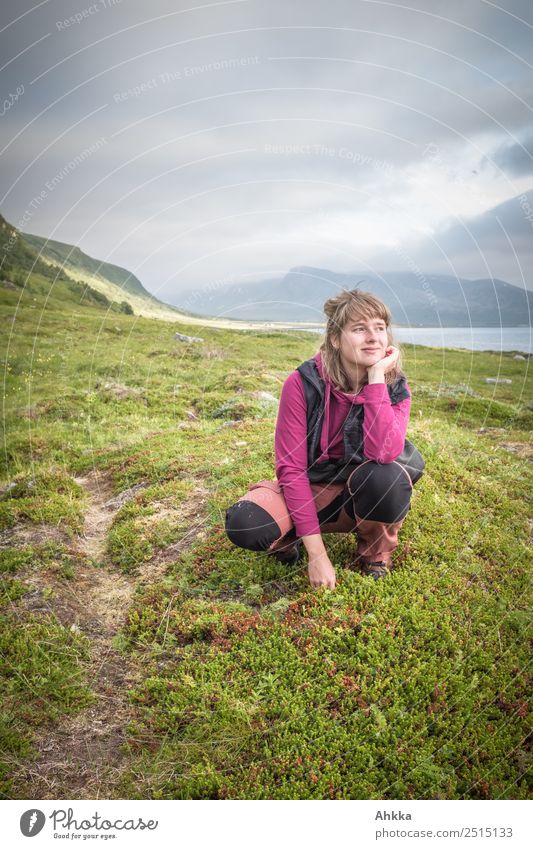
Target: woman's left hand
(388,362)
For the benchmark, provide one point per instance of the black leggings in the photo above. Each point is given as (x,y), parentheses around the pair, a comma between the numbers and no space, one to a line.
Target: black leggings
(375,492)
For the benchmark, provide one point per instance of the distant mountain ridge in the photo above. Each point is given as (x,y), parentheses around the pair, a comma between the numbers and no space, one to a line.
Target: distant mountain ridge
(23,255)
(414,298)
(111,280)
(73,259)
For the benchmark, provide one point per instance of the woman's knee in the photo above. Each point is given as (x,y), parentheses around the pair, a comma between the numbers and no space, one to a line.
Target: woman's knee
(380,492)
(250,526)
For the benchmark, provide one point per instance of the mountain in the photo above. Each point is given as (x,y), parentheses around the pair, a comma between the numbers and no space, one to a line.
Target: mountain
(116,283)
(29,261)
(75,262)
(414,299)
(61,273)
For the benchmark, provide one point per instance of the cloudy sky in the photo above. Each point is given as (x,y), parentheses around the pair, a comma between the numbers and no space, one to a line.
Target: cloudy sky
(199,142)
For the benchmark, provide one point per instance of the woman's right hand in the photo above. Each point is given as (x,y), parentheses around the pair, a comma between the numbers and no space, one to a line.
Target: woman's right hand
(321,571)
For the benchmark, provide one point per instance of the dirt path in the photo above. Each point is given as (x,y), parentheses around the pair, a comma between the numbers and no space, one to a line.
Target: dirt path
(81,756)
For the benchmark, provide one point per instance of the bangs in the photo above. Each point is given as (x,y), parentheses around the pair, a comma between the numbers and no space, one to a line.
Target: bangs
(368,308)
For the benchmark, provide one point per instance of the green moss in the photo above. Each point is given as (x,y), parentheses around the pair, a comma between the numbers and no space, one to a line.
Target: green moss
(153,520)
(252,685)
(41,681)
(44,498)
(50,556)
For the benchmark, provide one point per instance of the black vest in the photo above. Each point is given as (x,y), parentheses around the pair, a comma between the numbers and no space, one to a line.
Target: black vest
(338,470)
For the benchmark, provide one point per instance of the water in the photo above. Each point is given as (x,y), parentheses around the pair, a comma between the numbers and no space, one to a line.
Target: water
(471,338)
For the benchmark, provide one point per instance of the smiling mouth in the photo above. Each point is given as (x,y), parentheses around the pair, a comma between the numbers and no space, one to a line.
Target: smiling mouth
(371,350)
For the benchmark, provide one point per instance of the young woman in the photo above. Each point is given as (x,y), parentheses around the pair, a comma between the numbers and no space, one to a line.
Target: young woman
(342,460)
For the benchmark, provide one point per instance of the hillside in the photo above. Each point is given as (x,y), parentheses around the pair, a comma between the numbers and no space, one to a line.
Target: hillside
(72,259)
(144,656)
(37,265)
(415,299)
(114,282)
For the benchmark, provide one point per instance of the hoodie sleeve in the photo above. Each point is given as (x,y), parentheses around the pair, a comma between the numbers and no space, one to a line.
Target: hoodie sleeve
(384,424)
(291,456)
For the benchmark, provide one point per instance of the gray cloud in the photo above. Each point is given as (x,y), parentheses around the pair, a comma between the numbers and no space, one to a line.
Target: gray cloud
(516,159)
(495,244)
(245,137)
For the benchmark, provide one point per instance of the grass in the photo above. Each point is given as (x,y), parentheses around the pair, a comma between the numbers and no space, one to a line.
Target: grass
(251,684)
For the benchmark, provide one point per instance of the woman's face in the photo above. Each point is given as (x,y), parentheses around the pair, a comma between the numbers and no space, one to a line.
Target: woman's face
(363,341)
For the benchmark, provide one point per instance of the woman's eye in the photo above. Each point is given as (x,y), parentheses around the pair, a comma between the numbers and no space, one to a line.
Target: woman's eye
(360,329)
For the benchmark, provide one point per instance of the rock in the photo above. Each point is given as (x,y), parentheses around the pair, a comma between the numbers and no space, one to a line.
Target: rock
(180,337)
(264,396)
(8,284)
(246,404)
(119,391)
(75,629)
(5,492)
(21,485)
(241,442)
(518,357)
(498,380)
(123,497)
(523,449)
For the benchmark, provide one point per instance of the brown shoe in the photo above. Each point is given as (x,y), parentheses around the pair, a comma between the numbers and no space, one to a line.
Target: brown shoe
(375,570)
(290,555)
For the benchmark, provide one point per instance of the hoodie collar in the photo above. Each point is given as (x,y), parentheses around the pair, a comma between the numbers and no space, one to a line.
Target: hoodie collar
(343,396)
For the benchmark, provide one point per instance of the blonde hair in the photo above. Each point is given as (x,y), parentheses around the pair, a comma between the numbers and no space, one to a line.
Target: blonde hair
(341,309)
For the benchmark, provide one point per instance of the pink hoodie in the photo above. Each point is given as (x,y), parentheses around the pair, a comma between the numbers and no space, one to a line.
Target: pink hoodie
(384,430)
